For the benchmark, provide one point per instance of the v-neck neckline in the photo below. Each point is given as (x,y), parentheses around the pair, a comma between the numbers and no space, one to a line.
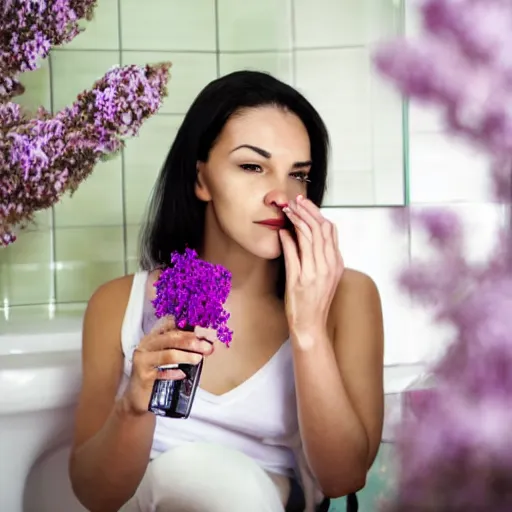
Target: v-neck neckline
(248,384)
(243,388)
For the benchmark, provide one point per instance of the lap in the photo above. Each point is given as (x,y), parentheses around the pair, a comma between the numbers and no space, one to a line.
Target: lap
(200,477)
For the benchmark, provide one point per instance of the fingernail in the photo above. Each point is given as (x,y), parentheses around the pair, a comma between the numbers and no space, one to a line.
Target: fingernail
(286,209)
(300,197)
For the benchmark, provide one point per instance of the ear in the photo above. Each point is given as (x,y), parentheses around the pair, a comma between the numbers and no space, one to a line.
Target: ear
(201,189)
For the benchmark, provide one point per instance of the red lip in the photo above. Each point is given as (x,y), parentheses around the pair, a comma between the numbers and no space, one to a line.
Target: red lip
(273,223)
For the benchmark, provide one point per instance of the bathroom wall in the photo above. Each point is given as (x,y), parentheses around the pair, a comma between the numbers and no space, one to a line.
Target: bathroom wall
(322,47)
(442,172)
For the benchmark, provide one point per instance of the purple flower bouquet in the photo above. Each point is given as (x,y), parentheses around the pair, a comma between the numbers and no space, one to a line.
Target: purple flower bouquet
(192,291)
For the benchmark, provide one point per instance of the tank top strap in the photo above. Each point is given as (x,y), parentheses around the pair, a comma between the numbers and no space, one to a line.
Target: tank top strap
(131,330)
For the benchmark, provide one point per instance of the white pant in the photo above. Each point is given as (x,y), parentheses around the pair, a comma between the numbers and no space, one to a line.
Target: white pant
(200,477)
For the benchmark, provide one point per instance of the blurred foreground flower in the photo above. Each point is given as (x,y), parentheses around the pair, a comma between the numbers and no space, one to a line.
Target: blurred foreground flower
(45,156)
(455,453)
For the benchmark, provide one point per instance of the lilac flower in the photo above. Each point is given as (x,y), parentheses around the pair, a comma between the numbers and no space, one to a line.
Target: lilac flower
(463,65)
(42,158)
(28,30)
(193,291)
(454,449)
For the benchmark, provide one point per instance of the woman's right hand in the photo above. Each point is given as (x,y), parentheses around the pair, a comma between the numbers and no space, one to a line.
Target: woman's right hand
(164,345)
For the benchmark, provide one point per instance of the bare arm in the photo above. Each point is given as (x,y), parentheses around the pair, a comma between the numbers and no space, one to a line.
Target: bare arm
(340,388)
(113,438)
(111,444)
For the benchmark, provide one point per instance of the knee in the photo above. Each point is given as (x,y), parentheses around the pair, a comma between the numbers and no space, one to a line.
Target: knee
(198,477)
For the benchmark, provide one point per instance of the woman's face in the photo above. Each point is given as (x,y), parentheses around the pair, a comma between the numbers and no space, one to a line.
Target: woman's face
(260,162)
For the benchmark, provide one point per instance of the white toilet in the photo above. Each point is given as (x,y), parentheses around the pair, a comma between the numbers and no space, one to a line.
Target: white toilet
(40,377)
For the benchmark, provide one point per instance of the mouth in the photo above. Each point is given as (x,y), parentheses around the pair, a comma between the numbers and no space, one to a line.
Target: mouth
(273,223)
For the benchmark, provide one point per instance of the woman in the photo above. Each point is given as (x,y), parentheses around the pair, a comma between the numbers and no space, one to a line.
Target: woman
(276,425)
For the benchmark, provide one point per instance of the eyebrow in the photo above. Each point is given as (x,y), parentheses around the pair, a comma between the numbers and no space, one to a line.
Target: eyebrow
(266,154)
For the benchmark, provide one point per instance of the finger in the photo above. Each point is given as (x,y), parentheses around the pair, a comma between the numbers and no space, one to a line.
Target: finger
(311,207)
(291,256)
(300,226)
(206,334)
(170,374)
(339,256)
(171,358)
(182,340)
(317,227)
(305,241)
(164,324)
(331,247)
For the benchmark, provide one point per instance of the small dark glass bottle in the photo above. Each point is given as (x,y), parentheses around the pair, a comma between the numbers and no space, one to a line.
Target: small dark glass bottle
(174,398)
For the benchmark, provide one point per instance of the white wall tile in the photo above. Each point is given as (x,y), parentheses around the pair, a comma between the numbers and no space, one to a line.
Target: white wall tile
(144,157)
(75,71)
(337,82)
(102,32)
(324,23)
(278,64)
(86,258)
(482,222)
(413,23)
(321,23)
(161,25)
(387,148)
(371,243)
(425,119)
(190,73)
(364,118)
(103,189)
(349,188)
(444,170)
(37,88)
(255,26)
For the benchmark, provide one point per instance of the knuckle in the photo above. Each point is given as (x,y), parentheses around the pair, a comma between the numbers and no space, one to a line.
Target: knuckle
(138,356)
(196,358)
(170,356)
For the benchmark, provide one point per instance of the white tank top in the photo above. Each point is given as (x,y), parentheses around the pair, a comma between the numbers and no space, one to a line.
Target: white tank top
(258,417)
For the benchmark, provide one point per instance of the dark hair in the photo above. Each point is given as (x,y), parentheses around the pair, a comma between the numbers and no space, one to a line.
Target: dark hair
(175,216)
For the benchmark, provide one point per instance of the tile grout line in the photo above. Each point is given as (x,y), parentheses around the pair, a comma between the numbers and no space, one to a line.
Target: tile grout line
(217,50)
(294,50)
(53,234)
(217,38)
(122,155)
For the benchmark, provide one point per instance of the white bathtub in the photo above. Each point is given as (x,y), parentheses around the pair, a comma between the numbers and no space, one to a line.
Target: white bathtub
(40,377)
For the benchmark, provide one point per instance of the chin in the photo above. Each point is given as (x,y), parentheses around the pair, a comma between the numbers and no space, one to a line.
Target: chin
(268,250)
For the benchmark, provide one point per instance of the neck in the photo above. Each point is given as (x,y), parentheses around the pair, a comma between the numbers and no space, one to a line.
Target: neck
(251,276)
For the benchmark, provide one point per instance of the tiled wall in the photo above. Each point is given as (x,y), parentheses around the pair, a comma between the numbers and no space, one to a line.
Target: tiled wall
(91,238)
(321,46)
(443,172)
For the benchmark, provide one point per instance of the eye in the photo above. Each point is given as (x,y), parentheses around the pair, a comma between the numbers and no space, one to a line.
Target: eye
(301,176)
(250,167)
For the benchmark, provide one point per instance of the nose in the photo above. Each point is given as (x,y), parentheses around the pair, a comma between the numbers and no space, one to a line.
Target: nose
(277,198)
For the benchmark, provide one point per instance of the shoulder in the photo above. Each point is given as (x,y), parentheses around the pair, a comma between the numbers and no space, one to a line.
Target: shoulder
(356,303)
(355,286)
(110,299)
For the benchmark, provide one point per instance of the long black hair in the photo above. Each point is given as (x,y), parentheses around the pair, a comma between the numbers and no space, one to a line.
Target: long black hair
(175,217)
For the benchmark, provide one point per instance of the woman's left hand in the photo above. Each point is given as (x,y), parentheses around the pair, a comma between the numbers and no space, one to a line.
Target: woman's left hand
(314,267)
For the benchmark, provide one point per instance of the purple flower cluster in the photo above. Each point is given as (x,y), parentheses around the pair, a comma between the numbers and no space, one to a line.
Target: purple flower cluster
(454,447)
(462,64)
(28,30)
(42,158)
(193,291)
